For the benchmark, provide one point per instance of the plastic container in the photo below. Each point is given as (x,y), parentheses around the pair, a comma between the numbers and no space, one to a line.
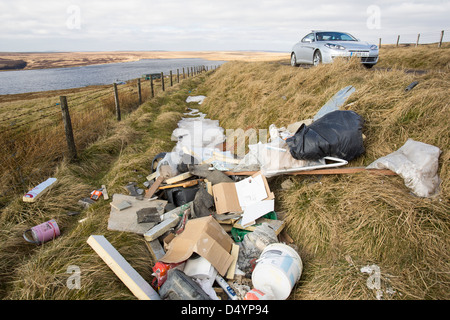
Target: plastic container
(256,294)
(43,232)
(279,267)
(179,286)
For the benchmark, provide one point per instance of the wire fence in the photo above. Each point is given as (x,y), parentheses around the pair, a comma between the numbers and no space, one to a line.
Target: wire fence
(416,39)
(34,140)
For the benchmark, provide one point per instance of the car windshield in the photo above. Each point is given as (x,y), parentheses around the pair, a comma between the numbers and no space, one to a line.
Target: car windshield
(334,36)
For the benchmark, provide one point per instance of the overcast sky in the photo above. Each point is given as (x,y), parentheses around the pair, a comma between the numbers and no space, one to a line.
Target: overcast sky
(191,25)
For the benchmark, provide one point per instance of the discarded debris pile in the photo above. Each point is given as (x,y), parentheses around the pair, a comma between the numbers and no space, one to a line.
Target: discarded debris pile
(208,215)
(213,234)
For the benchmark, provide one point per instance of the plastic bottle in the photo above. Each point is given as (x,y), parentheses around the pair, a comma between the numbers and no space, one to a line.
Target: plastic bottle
(225,286)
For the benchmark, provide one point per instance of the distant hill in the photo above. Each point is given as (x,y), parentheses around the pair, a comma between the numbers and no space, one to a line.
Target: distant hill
(6,64)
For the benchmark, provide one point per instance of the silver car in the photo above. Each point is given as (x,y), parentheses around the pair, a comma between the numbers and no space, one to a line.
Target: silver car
(323,46)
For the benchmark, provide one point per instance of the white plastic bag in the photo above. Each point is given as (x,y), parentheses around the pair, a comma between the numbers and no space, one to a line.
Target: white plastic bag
(198,99)
(417,163)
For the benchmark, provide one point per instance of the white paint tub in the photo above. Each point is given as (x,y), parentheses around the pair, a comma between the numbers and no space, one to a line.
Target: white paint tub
(279,267)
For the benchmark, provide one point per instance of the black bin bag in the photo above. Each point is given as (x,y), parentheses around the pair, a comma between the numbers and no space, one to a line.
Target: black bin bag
(336,134)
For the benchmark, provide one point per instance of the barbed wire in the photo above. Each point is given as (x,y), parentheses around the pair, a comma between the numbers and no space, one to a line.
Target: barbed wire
(84,96)
(29,122)
(29,112)
(20,177)
(130,86)
(428,37)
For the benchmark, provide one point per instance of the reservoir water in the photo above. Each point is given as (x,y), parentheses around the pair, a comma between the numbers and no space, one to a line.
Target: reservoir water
(23,81)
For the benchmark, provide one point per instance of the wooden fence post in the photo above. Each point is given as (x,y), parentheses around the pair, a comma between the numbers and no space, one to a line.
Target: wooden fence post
(139,91)
(192,71)
(379,43)
(171,82)
(187,72)
(116,99)
(178,75)
(398,40)
(162,81)
(442,37)
(418,37)
(68,128)
(184,75)
(151,86)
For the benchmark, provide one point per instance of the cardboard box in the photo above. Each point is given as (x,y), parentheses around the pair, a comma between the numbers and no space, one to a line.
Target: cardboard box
(206,237)
(252,196)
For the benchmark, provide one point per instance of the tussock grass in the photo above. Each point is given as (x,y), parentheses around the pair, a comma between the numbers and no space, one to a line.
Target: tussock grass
(424,57)
(342,223)
(119,154)
(339,223)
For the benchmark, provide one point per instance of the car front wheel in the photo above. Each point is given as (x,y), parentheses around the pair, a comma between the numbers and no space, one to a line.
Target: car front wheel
(294,60)
(317,58)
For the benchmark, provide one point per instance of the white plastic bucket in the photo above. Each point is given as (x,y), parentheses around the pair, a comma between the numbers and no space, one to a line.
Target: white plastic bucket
(278,267)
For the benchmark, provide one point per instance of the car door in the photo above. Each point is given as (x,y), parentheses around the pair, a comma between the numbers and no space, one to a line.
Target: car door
(305,49)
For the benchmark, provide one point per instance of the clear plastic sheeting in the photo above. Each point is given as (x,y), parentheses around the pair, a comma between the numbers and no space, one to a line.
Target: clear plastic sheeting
(335,102)
(198,99)
(198,133)
(274,158)
(417,163)
(197,137)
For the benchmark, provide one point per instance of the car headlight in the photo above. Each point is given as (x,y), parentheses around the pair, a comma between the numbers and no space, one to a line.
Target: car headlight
(334,46)
(373,47)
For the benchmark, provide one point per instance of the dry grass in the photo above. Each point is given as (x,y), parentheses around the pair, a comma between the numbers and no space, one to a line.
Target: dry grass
(423,57)
(119,155)
(342,223)
(339,223)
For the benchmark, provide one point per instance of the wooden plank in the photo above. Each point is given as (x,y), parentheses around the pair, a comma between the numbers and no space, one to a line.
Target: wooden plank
(170,219)
(105,192)
(123,270)
(232,269)
(161,228)
(152,176)
(277,225)
(209,187)
(156,249)
(186,184)
(150,192)
(179,178)
(284,237)
(348,170)
(220,157)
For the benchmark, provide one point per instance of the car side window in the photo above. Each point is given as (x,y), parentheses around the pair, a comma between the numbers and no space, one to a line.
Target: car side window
(308,37)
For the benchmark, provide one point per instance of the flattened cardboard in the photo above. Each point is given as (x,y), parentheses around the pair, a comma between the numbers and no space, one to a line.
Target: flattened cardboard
(206,237)
(226,197)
